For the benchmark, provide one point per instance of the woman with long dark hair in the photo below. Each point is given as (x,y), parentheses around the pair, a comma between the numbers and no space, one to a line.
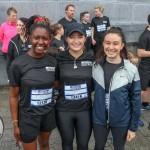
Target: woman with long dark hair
(18,44)
(117,95)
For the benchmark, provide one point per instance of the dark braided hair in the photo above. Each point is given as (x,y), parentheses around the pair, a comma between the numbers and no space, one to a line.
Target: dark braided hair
(43,22)
(123,53)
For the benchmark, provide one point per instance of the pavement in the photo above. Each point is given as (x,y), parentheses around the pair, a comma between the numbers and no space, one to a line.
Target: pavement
(141,142)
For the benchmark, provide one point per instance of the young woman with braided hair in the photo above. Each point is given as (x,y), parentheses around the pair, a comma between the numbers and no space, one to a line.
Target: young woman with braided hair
(31,88)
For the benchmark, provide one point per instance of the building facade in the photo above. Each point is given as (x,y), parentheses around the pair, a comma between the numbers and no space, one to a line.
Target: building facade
(131,15)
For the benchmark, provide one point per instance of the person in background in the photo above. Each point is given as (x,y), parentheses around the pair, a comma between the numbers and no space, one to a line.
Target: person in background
(68,19)
(132,56)
(52,51)
(32,77)
(117,98)
(18,44)
(144,71)
(58,32)
(99,25)
(85,20)
(74,84)
(8,29)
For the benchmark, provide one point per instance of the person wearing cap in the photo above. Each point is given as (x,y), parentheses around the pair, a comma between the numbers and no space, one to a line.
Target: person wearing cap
(74,83)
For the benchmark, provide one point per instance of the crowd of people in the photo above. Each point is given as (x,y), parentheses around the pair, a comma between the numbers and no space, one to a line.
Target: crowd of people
(53,69)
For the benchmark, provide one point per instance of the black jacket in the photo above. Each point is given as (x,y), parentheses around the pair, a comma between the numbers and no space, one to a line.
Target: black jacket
(15,50)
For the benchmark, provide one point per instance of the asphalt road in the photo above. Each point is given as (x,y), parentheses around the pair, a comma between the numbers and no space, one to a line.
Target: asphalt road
(141,142)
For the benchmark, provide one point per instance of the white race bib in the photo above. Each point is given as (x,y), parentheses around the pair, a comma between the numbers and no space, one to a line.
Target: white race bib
(88,33)
(76,92)
(101,28)
(41,97)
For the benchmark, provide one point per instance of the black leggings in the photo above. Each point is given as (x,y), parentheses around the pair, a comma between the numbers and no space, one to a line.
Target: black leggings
(80,122)
(101,132)
(97,46)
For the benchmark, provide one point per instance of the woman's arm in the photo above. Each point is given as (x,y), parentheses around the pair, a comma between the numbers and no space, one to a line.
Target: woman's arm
(14,95)
(92,36)
(135,98)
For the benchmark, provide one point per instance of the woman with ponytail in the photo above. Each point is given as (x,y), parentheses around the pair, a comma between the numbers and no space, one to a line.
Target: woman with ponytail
(31,88)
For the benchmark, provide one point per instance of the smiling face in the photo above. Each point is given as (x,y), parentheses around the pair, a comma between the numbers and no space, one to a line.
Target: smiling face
(112,46)
(20,27)
(40,41)
(76,41)
(86,17)
(97,12)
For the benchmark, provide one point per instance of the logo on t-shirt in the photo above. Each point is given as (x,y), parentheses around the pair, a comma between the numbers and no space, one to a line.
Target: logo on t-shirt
(104,21)
(86,63)
(50,68)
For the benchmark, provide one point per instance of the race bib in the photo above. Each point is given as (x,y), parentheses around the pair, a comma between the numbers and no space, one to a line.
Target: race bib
(41,97)
(88,33)
(107,100)
(101,28)
(76,92)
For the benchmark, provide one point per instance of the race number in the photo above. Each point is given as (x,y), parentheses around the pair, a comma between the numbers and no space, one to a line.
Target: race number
(41,97)
(76,92)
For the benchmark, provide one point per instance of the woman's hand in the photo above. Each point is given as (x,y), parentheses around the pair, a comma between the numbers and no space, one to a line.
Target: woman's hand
(17,133)
(93,42)
(130,135)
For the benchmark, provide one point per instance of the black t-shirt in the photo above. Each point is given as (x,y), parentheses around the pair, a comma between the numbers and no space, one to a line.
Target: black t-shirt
(65,23)
(88,34)
(35,78)
(144,43)
(109,70)
(87,27)
(57,43)
(100,25)
(23,46)
(75,81)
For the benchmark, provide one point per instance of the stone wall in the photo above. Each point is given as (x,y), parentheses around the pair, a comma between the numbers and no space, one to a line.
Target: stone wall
(131,15)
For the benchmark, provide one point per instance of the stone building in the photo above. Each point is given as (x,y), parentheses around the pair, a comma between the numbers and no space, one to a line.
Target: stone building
(131,15)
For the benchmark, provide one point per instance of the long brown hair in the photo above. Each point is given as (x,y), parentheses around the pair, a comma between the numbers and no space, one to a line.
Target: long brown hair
(123,53)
